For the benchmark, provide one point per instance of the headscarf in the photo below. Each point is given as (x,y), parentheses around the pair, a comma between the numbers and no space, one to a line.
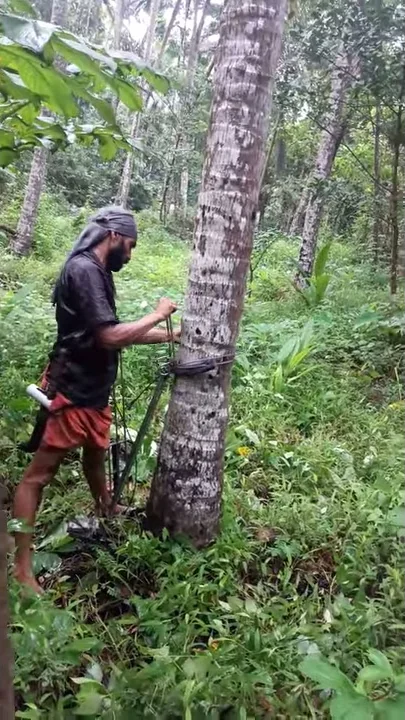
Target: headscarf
(108,219)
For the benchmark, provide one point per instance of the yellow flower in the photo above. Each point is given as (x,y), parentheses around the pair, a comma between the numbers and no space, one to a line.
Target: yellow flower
(243,451)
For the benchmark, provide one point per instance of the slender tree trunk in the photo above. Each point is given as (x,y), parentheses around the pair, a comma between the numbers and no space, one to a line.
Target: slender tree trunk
(191,70)
(377,195)
(331,136)
(401,248)
(168,31)
(395,189)
(25,229)
(186,489)
(125,185)
(297,222)
(6,674)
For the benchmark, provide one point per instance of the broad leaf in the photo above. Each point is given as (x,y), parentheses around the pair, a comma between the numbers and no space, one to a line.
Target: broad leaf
(23,6)
(390,709)
(90,705)
(322,259)
(327,676)
(351,707)
(31,34)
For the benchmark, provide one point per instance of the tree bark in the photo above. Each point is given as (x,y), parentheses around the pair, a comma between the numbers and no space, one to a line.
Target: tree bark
(186,489)
(377,194)
(25,229)
(342,77)
(395,189)
(125,184)
(168,31)
(297,222)
(191,70)
(6,674)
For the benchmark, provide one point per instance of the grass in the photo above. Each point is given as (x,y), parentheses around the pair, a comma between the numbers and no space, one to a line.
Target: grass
(309,561)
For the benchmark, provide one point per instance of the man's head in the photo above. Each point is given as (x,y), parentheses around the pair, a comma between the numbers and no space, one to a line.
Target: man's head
(119,238)
(119,249)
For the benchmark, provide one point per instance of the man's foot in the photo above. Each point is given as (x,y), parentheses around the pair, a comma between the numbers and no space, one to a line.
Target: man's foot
(28,581)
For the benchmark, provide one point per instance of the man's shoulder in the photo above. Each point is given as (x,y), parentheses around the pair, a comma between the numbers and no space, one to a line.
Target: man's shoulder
(84,265)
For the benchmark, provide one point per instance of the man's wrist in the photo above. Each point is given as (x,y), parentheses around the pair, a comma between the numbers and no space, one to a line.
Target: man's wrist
(158,317)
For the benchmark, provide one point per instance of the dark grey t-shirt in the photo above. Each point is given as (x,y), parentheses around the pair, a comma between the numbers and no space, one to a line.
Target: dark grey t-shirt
(81,369)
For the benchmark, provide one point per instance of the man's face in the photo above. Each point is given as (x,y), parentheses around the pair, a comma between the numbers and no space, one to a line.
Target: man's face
(120,251)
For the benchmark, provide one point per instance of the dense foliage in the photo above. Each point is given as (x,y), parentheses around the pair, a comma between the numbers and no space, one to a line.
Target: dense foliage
(296,611)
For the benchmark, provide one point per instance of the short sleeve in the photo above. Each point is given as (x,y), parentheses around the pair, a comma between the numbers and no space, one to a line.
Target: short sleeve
(90,295)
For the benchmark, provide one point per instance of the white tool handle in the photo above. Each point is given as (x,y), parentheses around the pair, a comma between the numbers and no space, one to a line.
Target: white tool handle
(34,392)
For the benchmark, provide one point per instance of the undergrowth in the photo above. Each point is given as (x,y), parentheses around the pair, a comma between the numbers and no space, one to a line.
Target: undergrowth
(306,576)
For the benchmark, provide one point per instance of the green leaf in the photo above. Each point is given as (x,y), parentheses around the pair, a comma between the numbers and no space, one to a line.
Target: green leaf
(81,645)
(321,260)
(6,139)
(380,660)
(327,676)
(90,705)
(320,284)
(45,561)
(81,53)
(350,706)
(7,157)
(42,80)
(108,147)
(369,676)
(127,93)
(23,6)
(31,34)
(390,709)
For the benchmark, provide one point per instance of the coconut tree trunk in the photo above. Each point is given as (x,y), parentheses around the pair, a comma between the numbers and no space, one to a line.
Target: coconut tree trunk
(395,189)
(125,185)
(6,674)
(25,229)
(186,489)
(342,77)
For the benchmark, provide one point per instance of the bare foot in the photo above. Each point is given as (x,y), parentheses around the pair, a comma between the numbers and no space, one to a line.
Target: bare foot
(28,581)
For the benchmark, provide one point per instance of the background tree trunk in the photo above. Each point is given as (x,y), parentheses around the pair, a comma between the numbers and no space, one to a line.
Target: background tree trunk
(395,190)
(168,31)
(6,674)
(125,184)
(25,229)
(191,69)
(186,489)
(377,195)
(297,222)
(331,136)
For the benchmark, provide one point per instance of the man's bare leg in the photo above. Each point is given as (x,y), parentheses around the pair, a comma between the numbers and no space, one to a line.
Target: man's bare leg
(38,474)
(94,472)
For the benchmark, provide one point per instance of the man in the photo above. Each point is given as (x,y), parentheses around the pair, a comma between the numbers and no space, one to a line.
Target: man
(83,367)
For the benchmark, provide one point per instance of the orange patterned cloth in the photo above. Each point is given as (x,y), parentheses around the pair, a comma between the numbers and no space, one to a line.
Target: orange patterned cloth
(69,427)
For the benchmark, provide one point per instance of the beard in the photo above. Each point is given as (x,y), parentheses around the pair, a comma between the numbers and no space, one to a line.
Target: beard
(116,259)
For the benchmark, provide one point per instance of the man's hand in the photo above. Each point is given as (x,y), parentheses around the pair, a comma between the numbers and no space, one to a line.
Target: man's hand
(176,335)
(165,308)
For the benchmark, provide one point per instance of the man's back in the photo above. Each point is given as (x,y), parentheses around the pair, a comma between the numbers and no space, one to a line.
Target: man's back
(84,371)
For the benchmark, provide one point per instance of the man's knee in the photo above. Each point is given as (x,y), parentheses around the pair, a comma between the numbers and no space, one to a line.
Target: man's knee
(42,468)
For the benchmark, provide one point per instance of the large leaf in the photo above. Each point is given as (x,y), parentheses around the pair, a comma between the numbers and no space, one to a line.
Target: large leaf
(128,94)
(31,34)
(351,707)
(22,6)
(45,81)
(327,676)
(83,57)
(156,80)
(322,259)
(390,709)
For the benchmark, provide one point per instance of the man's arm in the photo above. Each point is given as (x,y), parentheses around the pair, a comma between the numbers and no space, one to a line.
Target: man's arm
(121,335)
